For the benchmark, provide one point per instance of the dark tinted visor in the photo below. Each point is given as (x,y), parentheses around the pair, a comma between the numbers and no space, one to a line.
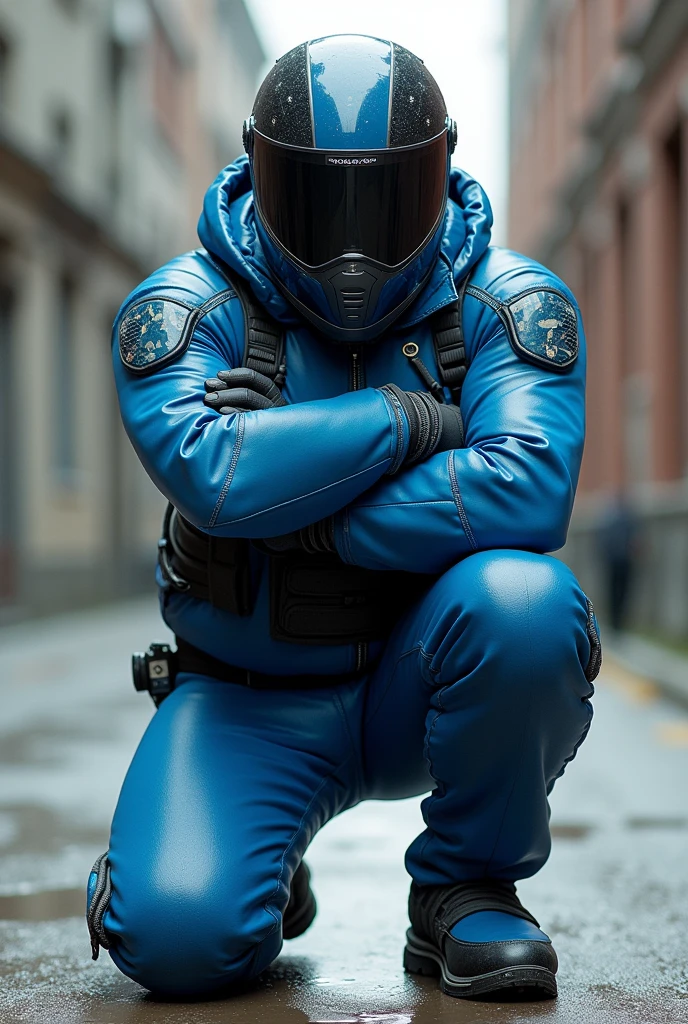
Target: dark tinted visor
(319,205)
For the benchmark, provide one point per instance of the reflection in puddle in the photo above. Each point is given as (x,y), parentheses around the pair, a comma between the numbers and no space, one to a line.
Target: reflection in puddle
(367,1018)
(333,981)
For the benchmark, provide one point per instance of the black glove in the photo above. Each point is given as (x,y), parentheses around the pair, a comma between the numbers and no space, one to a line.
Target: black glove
(316,539)
(433,426)
(240,390)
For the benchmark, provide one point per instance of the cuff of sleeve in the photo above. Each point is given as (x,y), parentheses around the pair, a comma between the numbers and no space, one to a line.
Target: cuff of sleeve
(342,536)
(403,434)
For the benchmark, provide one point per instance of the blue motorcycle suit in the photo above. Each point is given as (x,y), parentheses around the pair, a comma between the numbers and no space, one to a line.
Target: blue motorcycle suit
(480,695)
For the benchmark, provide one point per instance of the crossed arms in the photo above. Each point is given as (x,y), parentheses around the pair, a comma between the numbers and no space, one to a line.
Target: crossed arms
(270,471)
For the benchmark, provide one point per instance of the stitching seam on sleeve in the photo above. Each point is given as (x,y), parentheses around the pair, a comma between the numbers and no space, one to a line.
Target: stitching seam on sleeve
(458,501)
(230,472)
(483,296)
(300,497)
(216,300)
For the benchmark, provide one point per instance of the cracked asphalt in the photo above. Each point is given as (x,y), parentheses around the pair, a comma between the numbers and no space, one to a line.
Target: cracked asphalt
(614,895)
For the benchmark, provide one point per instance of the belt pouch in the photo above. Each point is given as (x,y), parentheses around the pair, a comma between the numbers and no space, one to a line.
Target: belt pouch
(318,599)
(217,569)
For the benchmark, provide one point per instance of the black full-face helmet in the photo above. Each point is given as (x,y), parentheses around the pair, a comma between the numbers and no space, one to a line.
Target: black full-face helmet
(349,145)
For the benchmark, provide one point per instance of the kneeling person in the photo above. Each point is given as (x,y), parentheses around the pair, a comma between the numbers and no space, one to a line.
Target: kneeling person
(368,423)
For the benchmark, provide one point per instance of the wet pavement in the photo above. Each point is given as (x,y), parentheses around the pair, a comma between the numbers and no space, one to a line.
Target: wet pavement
(614,895)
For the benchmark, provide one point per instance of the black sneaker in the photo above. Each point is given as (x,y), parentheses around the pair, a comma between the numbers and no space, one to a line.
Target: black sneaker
(301,908)
(462,933)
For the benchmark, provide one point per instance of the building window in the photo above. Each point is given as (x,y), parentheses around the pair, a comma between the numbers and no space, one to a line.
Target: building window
(675,242)
(5,73)
(116,68)
(70,7)
(9,455)
(64,435)
(62,136)
(167,85)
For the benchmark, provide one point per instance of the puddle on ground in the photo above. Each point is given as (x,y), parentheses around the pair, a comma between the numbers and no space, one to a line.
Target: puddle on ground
(367,1018)
(570,831)
(43,905)
(656,823)
(34,828)
(46,742)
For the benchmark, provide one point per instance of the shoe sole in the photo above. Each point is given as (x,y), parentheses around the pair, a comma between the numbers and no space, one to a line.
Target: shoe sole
(421,957)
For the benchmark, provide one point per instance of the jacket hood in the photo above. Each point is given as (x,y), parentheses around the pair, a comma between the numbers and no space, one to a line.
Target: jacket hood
(227,229)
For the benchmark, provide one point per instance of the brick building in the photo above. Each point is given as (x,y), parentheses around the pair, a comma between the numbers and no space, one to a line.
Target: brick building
(599,191)
(115,115)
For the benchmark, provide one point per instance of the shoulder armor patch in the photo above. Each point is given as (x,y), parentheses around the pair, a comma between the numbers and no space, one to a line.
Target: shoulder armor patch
(543,328)
(153,332)
(156,331)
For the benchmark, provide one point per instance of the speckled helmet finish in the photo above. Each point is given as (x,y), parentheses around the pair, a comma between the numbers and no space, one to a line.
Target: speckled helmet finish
(349,145)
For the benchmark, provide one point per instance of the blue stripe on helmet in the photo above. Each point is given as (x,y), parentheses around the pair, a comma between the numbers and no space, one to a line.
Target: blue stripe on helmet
(350,80)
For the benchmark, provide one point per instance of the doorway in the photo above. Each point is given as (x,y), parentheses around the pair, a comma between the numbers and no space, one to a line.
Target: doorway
(8,456)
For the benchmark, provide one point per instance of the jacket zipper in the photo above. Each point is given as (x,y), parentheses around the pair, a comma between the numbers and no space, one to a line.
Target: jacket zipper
(357,373)
(357,383)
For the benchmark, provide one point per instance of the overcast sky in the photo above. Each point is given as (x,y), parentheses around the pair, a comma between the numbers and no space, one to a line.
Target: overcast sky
(463,43)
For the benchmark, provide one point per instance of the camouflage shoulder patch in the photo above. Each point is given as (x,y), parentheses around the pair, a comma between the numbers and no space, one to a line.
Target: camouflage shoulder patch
(543,328)
(154,332)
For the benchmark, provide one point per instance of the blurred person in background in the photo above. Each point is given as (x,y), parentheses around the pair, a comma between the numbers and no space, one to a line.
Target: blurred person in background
(369,424)
(618,547)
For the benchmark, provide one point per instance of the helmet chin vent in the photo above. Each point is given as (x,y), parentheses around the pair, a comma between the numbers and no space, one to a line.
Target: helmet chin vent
(353,287)
(353,299)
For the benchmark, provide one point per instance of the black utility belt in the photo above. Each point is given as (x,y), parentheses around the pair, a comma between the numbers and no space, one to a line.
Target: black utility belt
(314,599)
(156,671)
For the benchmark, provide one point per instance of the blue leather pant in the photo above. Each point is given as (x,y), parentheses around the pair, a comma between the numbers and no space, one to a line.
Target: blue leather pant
(481,697)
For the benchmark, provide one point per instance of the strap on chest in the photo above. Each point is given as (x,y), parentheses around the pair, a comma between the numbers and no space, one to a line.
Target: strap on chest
(264,339)
(263,336)
(448,339)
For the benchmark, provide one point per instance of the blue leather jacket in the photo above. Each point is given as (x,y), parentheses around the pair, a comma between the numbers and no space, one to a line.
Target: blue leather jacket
(264,473)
